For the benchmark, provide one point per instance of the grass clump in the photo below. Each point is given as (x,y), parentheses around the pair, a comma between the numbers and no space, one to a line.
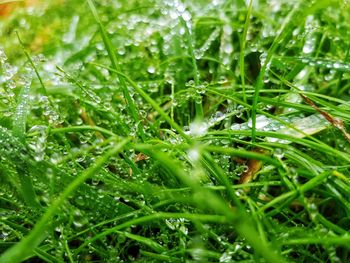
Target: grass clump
(175,131)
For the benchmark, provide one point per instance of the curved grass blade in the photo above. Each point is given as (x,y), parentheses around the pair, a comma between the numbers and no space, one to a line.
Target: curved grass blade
(144,240)
(19,131)
(22,110)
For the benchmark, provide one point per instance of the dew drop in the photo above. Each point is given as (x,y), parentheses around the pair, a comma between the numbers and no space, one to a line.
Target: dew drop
(261,122)
(336,65)
(198,128)
(38,142)
(193,154)
(228,48)
(226,257)
(151,69)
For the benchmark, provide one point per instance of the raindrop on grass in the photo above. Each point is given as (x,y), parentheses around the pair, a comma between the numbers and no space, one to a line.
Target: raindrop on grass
(198,54)
(198,254)
(38,142)
(151,69)
(261,122)
(309,46)
(198,128)
(228,48)
(226,256)
(216,117)
(193,154)
(336,65)
(279,153)
(186,16)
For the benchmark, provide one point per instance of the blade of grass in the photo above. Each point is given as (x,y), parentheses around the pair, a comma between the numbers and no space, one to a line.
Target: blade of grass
(314,143)
(22,110)
(42,85)
(325,240)
(160,257)
(19,131)
(190,45)
(82,128)
(243,44)
(143,240)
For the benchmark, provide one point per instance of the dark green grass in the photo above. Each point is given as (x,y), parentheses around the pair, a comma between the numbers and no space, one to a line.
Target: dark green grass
(126,126)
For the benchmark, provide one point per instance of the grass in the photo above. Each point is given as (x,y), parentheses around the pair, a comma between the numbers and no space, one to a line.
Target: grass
(168,131)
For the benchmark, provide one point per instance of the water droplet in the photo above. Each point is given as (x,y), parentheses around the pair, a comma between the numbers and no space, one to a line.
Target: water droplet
(121,50)
(7,71)
(226,257)
(198,254)
(3,57)
(216,118)
(227,29)
(193,154)
(261,122)
(38,142)
(186,16)
(279,153)
(228,48)
(198,54)
(336,65)
(198,128)
(151,69)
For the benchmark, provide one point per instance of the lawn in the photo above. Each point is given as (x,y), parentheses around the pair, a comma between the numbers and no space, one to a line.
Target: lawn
(174,131)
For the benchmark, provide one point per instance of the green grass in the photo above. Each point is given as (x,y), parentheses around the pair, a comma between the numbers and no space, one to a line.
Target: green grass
(127,127)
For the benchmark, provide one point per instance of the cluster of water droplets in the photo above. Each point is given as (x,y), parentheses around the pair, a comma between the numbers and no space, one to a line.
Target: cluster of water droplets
(274,8)
(6,232)
(8,71)
(12,78)
(234,251)
(177,224)
(226,45)
(198,91)
(308,125)
(7,80)
(37,143)
(326,63)
(310,41)
(197,128)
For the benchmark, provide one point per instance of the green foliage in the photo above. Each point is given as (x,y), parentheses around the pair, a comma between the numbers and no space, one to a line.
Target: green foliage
(128,127)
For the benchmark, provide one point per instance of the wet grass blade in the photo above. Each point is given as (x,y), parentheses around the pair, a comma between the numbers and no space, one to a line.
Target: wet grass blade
(19,131)
(143,240)
(190,46)
(20,117)
(242,52)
